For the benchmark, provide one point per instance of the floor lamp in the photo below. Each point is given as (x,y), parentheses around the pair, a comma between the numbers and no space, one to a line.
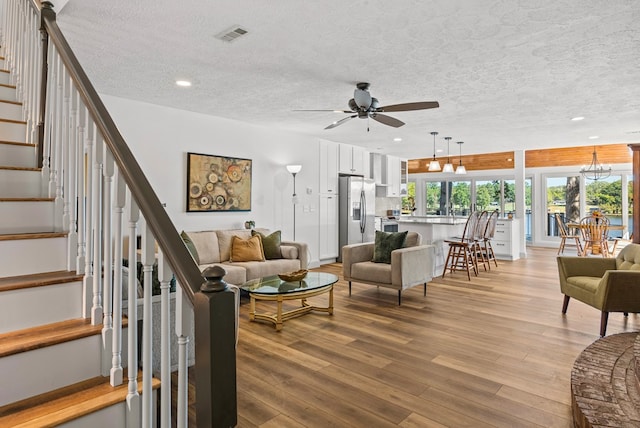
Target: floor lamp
(294,169)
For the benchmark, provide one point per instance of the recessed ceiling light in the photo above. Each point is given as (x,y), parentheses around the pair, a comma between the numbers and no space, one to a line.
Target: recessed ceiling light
(594,137)
(577,118)
(509,159)
(183,83)
(338,111)
(397,139)
(439,151)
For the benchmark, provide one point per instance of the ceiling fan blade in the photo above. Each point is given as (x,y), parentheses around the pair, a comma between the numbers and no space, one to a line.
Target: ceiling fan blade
(340,122)
(387,120)
(335,111)
(410,106)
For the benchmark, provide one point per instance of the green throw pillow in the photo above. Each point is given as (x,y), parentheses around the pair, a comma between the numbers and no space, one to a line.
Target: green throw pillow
(385,243)
(190,246)
(270,244)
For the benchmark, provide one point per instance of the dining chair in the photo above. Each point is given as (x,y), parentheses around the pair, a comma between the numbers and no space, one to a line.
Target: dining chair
(461,255)
(595,232)
(565,235)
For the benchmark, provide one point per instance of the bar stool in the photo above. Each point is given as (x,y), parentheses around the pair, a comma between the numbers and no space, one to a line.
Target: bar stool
(462,254)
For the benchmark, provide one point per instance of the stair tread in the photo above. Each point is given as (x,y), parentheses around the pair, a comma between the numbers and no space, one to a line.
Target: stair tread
(27,199)
(28,339)
(20,168)
(68,403)
(36,235)
(19,122)
(17,143)
(38,280)
(11,102)
(8,86)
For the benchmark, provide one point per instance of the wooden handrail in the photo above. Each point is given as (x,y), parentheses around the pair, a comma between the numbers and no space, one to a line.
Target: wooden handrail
(183,265)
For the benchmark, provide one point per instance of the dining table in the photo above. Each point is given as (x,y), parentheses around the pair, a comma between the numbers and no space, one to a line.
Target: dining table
(596,246)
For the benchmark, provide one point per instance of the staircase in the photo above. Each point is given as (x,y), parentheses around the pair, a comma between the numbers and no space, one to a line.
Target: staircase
(50,355)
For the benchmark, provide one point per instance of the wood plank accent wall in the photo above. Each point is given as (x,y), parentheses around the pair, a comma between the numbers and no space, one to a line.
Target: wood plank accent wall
(566,156)
(503,160)
(573,156)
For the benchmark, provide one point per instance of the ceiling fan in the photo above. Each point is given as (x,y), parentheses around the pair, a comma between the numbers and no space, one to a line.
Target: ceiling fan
(364,106)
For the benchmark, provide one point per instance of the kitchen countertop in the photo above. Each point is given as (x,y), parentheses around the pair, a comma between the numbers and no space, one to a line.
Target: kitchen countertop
(444,220)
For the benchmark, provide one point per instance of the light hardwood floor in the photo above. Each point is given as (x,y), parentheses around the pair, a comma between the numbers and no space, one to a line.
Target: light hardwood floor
(495,351)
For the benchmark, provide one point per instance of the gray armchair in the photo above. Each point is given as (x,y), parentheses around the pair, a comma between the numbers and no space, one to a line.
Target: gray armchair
(410,266)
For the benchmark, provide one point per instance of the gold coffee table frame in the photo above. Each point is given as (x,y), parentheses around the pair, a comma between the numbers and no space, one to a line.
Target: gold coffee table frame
(272,288)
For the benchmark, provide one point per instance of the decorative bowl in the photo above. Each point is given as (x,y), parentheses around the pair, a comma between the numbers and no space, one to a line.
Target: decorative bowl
(293,276)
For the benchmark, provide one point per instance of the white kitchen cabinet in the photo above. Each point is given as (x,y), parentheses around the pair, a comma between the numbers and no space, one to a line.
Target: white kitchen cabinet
(353,160)
(506,242)
(392,174)
(328,168)
(404,176)
(328,227)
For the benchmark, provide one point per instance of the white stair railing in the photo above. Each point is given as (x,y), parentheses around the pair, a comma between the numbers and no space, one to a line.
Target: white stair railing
(82,152)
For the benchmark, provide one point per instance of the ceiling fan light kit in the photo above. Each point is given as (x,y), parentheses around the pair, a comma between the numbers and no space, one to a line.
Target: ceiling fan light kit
(434,165)
(364,106)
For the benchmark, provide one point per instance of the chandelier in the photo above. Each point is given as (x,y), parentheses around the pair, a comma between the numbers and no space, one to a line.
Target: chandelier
(595,171)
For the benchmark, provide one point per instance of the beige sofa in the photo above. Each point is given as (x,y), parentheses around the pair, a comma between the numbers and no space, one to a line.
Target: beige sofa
(214,248)
(410,266)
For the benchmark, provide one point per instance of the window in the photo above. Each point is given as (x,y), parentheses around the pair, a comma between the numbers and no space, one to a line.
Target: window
(488,195)
(435,197)
(409,201)
(606,196)
(461,197)
(528,209)
(563,196)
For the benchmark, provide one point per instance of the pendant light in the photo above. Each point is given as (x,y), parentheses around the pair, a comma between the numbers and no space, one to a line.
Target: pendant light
(448,167)
(460,169)
(434,165)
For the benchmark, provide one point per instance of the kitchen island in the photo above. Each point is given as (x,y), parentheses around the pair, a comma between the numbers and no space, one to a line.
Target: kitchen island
(434,230)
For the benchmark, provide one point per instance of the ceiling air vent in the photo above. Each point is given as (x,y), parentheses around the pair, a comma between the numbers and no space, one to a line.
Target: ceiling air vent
(232,33)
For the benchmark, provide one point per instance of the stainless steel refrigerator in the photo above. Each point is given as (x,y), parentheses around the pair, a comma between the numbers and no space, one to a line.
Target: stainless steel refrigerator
(356,211)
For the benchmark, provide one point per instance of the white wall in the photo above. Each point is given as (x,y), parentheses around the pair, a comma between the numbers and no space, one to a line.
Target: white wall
(160,138)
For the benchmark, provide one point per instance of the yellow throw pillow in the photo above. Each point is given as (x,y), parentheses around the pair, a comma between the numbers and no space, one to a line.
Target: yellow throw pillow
(247,250)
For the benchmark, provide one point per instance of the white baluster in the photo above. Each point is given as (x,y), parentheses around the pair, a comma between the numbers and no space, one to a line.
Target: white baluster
(58,120)
(165,275)
(46,152)
(96,217)
(184,326)
(80,185)
(107,320)
(72,237)
(148,256)
(119,197)
(133,398)
(87,288)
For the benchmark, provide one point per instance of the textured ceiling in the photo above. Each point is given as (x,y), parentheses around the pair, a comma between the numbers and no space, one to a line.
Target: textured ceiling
(508,74)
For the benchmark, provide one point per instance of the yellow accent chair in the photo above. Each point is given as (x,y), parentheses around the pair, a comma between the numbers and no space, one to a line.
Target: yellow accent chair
(607,284)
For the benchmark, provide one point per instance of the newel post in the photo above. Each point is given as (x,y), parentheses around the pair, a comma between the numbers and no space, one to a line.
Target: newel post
(215,314)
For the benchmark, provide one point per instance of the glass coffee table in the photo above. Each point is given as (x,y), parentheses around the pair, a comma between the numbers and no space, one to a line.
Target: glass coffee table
(272,288)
